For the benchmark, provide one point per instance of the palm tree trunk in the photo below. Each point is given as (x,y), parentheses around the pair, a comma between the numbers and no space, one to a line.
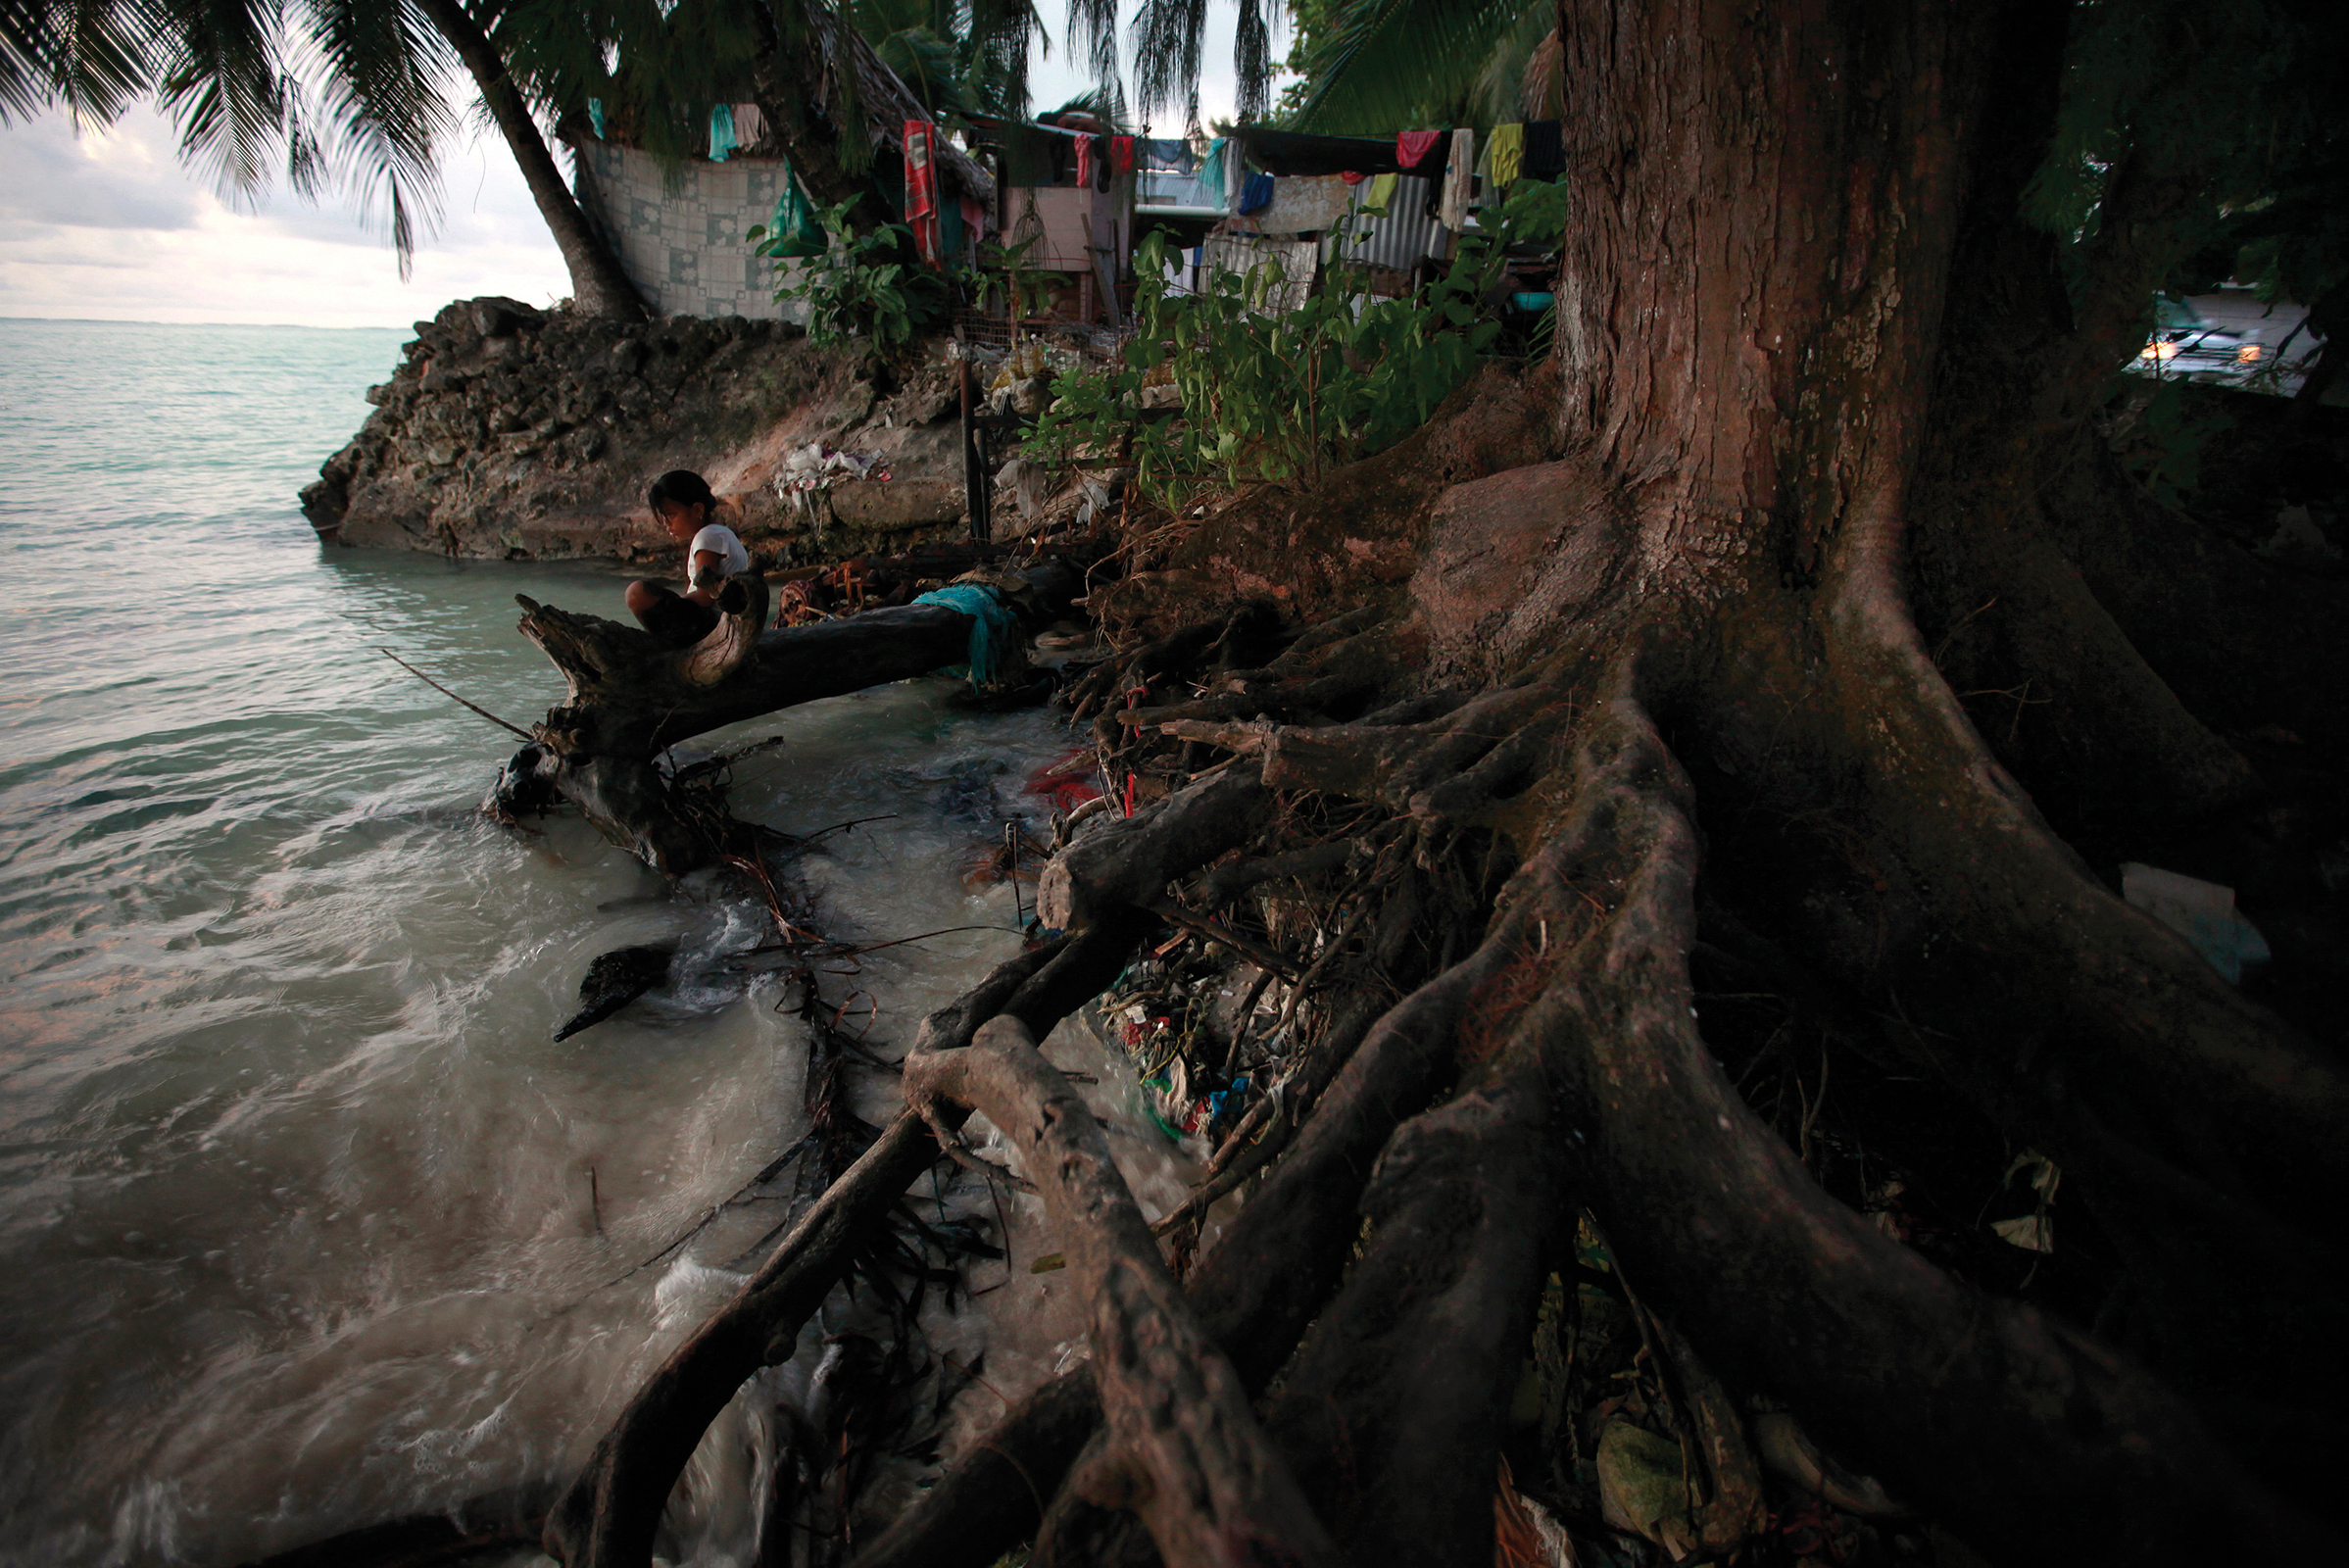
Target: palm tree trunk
(789,78)
(598,286)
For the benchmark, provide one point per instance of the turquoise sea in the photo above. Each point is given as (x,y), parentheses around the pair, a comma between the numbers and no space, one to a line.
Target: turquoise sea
(304,1221)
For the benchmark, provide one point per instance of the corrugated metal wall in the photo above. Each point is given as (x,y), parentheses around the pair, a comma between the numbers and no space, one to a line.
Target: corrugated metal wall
(1403,237)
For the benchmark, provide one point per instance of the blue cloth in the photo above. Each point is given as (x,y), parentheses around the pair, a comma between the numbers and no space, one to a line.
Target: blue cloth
(722,132)
(595,116)
(1255,195)
(991,625)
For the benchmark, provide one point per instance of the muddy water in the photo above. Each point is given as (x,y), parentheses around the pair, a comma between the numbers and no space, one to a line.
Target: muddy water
(305,1221)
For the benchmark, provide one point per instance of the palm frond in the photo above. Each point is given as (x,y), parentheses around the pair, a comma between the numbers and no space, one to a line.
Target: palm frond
(1168,38)
(372,116)
(1251,57)
(1092,31)
(1499,93)
(223,85)
(88,57)
(1396,63)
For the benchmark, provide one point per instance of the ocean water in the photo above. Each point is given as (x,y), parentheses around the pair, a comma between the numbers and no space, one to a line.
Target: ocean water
(304,1222)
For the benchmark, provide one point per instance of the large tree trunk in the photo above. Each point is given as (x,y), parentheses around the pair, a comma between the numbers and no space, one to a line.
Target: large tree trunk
(1820,612)
(598,286)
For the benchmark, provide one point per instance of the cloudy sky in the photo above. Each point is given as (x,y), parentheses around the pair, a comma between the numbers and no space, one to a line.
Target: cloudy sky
(109,226)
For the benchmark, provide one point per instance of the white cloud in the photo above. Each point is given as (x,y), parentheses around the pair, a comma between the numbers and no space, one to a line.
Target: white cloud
(109,225)
(112,226)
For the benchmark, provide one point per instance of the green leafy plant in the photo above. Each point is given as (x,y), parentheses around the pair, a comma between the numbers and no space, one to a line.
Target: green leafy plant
(1280,396)
(1026,291)
(863,285)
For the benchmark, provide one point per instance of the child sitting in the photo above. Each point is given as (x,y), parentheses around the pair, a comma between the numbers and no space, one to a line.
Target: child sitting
(682,502)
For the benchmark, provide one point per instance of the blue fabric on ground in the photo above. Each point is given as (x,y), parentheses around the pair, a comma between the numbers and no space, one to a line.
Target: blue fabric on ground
(991,625)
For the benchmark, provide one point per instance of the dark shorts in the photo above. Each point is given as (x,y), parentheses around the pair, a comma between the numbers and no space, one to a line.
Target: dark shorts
(677,620)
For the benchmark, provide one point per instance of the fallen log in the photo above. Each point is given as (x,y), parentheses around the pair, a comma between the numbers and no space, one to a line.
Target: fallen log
(631,697)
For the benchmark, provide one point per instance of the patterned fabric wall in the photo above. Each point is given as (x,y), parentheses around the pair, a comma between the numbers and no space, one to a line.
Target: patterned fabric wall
(680,227)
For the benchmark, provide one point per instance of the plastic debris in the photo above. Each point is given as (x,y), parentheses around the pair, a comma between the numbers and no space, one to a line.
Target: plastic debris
(2034,1232)
(1643,1486)
(2203,912)
(820,466)
(2299,541)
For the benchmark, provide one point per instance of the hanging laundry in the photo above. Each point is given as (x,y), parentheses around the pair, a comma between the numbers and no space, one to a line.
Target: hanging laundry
(1451,209)
(1084,162)
(1121,155)
(1545,149)
(1413,146)
(595,116)
(974,215)
(1214,170)
(1100,162)
(794,235)
(1507,149)
(1257,194)
(722,132)
(921,190)
(1381,192)
(750,125)
(1164,155)
(1351,176)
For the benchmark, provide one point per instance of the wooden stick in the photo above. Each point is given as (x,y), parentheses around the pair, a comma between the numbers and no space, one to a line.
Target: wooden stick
(452,696)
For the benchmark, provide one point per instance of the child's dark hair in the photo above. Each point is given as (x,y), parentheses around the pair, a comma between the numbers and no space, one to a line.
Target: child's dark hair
(681,487)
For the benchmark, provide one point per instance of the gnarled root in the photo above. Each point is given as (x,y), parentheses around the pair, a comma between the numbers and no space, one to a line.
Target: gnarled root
(2022,1433)
(1184,1448)
(607,1518)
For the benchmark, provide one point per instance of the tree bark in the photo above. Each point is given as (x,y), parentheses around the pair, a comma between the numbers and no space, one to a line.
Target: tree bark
(1735,623)
(805,66)
(599,285)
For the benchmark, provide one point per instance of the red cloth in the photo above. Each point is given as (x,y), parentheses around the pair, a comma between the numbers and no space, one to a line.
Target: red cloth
(1121,155)
(1067,783)
(1084,162)
(921,190)
(1351,176)
(1410,146)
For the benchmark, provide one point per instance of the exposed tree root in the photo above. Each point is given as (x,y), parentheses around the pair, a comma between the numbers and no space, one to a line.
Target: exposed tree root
(2024,1434)
(1183,1450)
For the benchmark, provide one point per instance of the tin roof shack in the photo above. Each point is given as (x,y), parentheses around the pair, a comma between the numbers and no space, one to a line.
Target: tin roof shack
(1067,191)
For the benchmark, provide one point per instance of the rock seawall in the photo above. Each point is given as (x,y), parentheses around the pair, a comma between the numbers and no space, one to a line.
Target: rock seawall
(510,432)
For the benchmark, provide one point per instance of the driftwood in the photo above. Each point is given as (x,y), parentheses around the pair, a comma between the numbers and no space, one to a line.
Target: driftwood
(631,697)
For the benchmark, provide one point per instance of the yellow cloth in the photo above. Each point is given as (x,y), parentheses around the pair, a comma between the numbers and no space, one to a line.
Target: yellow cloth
(1507,151)
(1381,191)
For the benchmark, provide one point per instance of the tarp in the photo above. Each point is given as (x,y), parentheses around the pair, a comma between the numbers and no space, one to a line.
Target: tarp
(1304,205)
(1286,152)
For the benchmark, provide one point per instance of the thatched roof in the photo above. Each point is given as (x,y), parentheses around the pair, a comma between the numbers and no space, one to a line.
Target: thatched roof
(887,104)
